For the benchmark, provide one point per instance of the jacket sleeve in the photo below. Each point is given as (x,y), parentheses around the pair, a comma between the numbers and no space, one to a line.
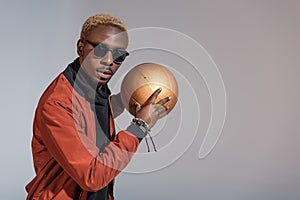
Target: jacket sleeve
(77,154)
(117,105)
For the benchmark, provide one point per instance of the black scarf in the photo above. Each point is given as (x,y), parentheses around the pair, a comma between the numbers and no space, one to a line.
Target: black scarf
(98,99)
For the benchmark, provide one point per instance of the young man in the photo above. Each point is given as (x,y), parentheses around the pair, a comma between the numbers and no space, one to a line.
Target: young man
(76,152)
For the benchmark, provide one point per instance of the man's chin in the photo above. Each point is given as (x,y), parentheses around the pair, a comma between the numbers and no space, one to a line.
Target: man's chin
(102,81)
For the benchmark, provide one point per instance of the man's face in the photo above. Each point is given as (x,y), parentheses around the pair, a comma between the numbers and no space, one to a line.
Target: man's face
(102,68)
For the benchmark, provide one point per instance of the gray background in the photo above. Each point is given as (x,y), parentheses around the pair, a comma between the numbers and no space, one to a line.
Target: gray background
(255,45)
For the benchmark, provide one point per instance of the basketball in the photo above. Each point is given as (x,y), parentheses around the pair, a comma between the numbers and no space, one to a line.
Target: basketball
(142,80)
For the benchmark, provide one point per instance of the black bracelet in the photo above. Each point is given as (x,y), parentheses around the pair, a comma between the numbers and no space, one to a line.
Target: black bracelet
(141,124)
(145,128)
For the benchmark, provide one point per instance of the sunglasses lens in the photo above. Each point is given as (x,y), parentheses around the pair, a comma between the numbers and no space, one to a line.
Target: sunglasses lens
(100,50)
(119,55)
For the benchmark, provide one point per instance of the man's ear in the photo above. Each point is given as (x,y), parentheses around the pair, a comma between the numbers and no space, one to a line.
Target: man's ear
(80,45)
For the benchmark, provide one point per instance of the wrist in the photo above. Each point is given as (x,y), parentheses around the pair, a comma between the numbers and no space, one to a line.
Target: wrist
(141,123)
(139,128)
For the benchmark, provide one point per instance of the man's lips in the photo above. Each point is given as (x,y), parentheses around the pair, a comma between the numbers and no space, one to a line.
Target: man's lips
(104,74)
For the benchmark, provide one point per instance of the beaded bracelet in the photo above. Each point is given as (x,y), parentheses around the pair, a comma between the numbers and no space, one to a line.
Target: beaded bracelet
(141,123)
(145,128)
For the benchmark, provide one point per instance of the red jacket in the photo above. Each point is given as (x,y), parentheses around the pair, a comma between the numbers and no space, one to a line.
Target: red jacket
(67,162)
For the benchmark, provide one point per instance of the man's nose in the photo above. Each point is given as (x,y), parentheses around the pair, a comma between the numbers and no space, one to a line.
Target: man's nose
(107,59)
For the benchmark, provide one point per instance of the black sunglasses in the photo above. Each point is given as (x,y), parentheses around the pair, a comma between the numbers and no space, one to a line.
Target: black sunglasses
(101,50)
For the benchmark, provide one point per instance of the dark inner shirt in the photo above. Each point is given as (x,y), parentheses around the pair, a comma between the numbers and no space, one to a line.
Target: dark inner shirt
(100,106)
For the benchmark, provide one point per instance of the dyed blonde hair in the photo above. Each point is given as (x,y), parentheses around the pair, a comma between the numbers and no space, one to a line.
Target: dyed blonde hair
(101,19)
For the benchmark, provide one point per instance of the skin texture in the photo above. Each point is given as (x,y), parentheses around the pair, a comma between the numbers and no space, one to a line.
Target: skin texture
(102,69)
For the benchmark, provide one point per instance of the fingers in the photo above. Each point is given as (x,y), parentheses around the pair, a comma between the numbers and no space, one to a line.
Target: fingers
(153,97)
(160,109)
(137,106)
(163,101)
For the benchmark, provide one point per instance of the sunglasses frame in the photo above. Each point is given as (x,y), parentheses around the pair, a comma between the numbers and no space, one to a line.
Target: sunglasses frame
(124,53)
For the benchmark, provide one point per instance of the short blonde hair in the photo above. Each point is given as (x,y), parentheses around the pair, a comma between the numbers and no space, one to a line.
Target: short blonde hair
(101,19)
